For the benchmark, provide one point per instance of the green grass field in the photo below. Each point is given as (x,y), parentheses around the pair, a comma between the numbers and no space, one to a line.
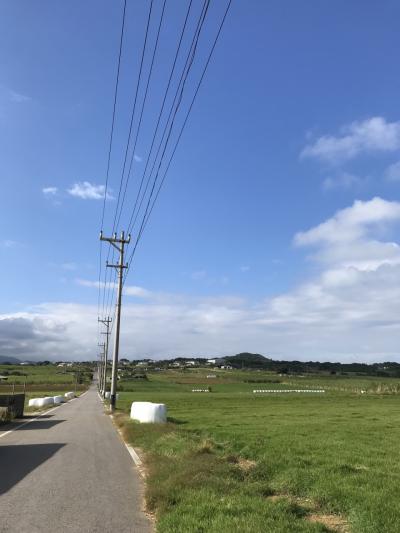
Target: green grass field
(233,461)
(42,380)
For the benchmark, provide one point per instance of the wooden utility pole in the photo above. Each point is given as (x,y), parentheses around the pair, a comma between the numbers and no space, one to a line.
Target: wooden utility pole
(101,363)
(119,244)
(103,378)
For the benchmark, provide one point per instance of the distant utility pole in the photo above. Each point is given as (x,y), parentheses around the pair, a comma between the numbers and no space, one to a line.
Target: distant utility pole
(100,366)
(106,321)
(119,244)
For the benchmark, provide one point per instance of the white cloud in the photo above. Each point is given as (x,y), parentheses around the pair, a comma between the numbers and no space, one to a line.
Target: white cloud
(372,135)
(349,310)
(137,158)
(393,172)
(139,292)
(351,223)
(50,191)
(88,191)
(244,268)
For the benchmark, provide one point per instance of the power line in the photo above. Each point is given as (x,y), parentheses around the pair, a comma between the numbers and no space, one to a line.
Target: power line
(110,144)
(198,28)
(142,109)
(109,290)
(133,108)
(173,112)
(145,217)
(113,115)
(186,70)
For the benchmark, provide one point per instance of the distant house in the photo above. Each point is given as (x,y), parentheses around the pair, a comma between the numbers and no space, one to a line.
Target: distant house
(218,361)
(3,378)
(190,363)
(24,363)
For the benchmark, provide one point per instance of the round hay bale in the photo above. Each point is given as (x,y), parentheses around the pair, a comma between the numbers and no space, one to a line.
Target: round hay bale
(58,399)
(148,412)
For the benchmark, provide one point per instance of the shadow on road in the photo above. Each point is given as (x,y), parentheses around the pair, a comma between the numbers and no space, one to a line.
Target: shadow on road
(40,424)
(17,461)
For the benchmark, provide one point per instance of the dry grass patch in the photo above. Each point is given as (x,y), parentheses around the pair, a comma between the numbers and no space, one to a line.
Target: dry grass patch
(332,522)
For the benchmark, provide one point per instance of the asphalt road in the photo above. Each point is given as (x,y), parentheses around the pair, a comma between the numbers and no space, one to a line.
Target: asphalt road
(68,471)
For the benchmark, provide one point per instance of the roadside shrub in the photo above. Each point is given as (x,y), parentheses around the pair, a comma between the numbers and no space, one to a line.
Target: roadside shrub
(4,415)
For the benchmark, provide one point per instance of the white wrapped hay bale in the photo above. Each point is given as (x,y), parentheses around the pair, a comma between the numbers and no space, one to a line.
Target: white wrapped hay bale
(43,402)
(69,395)
(58,399)
(149,412)
(33,402)
(49,400)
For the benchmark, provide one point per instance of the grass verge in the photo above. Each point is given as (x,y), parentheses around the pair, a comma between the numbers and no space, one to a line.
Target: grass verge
(194,484)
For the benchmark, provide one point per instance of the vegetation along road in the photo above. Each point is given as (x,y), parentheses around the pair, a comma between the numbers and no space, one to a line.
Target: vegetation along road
(69,471)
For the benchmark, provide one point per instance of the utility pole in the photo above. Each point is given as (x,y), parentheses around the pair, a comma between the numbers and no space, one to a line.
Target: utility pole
(106,321)
(119,244)
(100,366)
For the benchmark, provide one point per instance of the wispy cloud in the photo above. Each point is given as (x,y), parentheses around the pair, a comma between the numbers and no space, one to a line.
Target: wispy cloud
(13,96)
(198,275)
(129,290)
(69,266)
(8,243)
(137,158)
(18,98)
(89,191)
(372,135)
(244,268)
(343,180)
(50,191)
(392,173)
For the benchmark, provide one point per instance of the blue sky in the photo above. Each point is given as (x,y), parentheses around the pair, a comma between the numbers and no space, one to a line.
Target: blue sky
(296,121)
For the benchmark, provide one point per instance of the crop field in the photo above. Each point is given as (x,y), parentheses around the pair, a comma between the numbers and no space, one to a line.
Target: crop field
(230,460)
(42,380)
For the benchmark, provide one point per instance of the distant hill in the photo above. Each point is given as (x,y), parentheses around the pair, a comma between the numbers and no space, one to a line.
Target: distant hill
(247,360)
(257,361)
(8,359)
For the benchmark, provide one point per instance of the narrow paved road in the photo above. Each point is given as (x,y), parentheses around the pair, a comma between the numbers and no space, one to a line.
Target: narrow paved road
(67,472)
